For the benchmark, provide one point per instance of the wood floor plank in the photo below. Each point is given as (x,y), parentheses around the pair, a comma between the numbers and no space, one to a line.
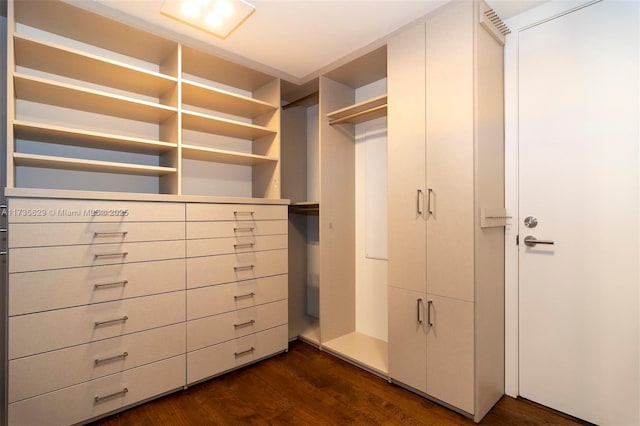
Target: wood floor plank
(306,386)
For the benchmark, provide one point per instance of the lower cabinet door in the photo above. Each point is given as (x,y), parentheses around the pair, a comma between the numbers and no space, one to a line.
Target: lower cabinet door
(408,338)
(217,359)
(96,397)
(450,352)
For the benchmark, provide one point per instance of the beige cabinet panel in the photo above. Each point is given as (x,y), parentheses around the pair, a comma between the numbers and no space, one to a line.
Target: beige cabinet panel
(38,374)
(63,234)
(215,246)
(406,159)
(211,270)
(408,338)
(217,359)
(217,299)
(234,228)
(215,329)
(450,152)
(27,210)
(61,288)
(450,352)
(78,403)
(46,331)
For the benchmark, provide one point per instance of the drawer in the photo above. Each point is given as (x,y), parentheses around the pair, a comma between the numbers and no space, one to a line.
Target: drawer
(217,359)
(46,331)
(42,258)
(236,228)
(63,288)
(78,403)
(210,270)
(214,246)
(212,300)
(239,212)
(39,374)
(60,234)
(30,210)
(215,329)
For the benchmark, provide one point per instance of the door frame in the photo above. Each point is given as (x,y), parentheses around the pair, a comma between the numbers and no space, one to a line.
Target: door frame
(533,17)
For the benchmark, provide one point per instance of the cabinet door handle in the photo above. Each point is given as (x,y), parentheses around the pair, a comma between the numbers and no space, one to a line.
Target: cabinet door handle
(113,321)
(99,361)
(418,196)
(123,283)
(244,245)
(111,395)
(243,268)
(429,193)
(121,254)
(244,324)
(238,213)
(248,351)
(247,229)
(429,304)
(244,296)
(418,308)
(106,234)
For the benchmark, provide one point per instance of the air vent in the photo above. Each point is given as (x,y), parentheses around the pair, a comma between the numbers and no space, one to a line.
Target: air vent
(491,22)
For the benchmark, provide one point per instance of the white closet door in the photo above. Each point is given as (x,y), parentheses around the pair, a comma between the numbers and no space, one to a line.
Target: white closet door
(579,349)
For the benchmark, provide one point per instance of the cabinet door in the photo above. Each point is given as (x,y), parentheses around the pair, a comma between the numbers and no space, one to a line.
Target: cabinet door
(449,153)
(450,351)
(408,338)
(406,159)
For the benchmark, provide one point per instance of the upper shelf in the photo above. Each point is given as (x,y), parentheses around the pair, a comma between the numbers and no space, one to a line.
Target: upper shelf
(194,152)
(64,95)
(53,162)
(360,112)
(200,95)
(56,59)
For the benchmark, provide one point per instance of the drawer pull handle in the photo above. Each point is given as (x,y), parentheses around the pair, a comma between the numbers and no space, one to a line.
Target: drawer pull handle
(99,361)
(238,213)
(247,229)
(248,351)
(123,282)
(243,268)
(244,245)
(244,296)
(111,395)
(122,254)
(100,234)
(113,321)
(244,324)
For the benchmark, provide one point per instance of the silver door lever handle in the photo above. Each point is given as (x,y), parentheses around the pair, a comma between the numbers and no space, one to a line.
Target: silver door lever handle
(531,241)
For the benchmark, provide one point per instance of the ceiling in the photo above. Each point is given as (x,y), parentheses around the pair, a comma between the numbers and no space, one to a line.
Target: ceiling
(292,39)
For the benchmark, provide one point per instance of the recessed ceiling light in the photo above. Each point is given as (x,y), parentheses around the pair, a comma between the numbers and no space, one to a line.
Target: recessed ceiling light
(218,17)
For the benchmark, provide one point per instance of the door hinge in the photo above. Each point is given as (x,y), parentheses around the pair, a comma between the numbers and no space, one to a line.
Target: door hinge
(517,240)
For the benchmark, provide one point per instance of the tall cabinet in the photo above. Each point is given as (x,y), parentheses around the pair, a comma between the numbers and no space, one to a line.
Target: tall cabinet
(445,159)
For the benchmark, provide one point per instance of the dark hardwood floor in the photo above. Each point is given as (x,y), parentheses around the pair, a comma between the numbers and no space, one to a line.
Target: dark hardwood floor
(306,386)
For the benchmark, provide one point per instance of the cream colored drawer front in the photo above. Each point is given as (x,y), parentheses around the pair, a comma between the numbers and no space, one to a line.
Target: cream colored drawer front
(236,229)
(240,212)
(215,246)
(217,299)
(77,403)
(38,374)
(209,331)
(37,259)
(210,270)
(36,333)
(217,359)
(60,234)
(30,210)
(62,288)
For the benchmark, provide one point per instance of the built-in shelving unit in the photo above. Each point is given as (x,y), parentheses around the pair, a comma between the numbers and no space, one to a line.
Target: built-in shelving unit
(121,101)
